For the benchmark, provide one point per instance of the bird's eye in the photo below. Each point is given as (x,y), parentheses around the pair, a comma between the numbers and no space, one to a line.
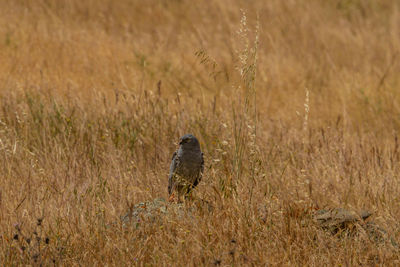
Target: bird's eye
(186,140)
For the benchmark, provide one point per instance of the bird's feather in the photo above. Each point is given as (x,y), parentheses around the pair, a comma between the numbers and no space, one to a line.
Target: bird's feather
(197,181)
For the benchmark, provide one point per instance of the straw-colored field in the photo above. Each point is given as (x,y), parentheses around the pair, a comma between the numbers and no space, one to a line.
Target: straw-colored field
(296,105)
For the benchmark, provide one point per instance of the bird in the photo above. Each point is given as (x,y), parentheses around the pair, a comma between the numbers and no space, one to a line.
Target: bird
(186,169)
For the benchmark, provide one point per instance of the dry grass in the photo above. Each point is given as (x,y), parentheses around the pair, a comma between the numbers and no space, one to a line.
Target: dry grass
(86,129)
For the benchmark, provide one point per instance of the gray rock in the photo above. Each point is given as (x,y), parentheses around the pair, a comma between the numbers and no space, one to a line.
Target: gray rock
(340,221)
(158,209)
(379,235)
(148,211)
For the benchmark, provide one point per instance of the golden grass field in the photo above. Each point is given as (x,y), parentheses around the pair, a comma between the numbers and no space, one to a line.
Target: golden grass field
(296,105)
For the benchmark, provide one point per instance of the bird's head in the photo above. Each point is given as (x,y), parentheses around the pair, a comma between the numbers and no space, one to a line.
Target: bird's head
(189,141)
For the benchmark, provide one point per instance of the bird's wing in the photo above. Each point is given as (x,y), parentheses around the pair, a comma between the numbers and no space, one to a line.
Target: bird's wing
(172,168)
(198,179)
(202,162)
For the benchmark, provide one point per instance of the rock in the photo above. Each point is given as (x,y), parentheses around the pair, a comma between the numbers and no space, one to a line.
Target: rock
(378,235)
(155,210)
(336,220)
(148,211)
(342,221)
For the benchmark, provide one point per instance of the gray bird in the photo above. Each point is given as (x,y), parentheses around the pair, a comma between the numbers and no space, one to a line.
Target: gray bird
(186,167)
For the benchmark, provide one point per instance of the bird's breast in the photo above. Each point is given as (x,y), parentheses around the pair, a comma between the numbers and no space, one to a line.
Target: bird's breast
(189,163)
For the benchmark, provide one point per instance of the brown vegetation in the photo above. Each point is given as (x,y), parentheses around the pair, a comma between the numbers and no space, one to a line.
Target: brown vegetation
(296,105)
